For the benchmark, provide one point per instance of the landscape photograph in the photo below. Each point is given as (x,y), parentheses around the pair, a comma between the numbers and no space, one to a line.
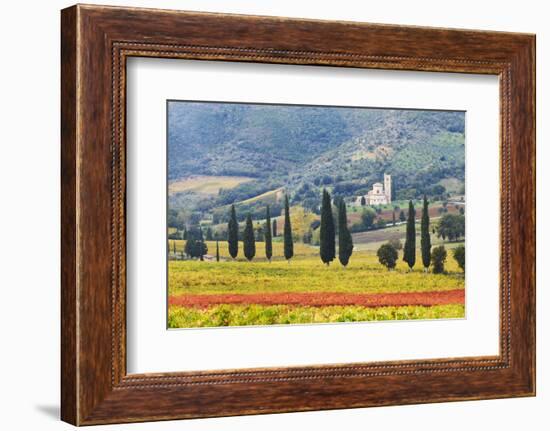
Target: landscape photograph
(301,214)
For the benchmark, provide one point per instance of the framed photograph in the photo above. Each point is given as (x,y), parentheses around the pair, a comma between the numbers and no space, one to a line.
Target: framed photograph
(275,194)
(264,215)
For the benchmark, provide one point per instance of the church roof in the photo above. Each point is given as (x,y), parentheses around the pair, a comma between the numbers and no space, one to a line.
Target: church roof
(377,184)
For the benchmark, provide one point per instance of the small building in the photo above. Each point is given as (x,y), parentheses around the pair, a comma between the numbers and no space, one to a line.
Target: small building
(379,195)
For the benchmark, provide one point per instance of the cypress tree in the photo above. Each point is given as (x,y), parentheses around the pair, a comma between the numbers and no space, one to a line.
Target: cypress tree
(274,228)
(327,231)
(217,251)
(201,246)
(425,242)
(287,233)
(345,242)
(188,246)
(183,242)
(249,242)
(402,217)
(308,236)
(174,243)
(233,233)
(267,235)
(409,252)
(195,245)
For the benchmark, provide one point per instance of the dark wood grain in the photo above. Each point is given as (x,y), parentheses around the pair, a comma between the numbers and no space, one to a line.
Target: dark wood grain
(69,397)
(96,41)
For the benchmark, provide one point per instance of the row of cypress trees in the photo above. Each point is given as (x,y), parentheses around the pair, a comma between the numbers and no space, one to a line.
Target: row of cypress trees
(249,241)
(196,247)
(409,250)
(327,237)
(327,247)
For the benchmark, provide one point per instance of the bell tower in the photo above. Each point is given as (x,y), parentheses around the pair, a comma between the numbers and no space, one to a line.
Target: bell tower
(387,187)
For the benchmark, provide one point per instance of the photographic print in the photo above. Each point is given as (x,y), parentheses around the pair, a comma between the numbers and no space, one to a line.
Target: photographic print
(294,214)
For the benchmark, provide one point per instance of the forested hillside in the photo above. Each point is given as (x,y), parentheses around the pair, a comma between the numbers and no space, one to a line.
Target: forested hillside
(302,149)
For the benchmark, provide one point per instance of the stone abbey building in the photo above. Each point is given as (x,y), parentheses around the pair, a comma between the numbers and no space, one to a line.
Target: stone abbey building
(379,195)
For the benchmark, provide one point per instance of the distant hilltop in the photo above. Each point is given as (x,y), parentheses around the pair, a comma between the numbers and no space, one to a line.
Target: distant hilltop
(251,150)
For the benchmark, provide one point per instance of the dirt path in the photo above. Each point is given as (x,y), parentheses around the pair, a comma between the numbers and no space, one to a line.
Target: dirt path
(323,299)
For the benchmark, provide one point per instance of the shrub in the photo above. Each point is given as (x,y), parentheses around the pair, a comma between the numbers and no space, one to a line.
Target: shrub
(367,218)
(451,226)
(387,255)
(459,254)
(439,256)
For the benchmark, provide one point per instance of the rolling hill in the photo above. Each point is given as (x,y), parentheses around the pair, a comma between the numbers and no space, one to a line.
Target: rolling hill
(302,149)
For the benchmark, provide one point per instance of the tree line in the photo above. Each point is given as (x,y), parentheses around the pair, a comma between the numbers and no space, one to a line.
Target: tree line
(327,234)
(327,246)
(436,257)
(196,247)
(249,239)
(334,225)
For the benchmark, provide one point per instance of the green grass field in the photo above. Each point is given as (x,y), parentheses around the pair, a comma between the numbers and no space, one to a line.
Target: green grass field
(304,273)
(243,315)
(364,274)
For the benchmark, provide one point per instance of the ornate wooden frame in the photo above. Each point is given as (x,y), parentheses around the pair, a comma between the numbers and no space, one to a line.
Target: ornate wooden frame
(95,42)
